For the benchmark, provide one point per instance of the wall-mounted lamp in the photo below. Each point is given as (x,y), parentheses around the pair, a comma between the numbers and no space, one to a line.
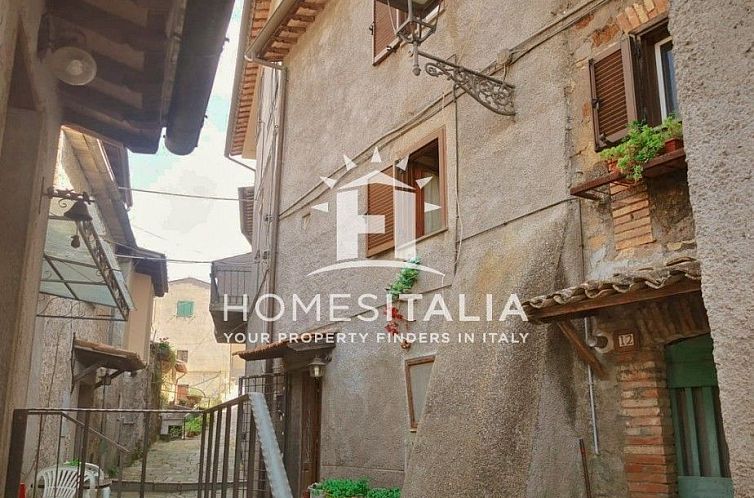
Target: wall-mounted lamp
(317,367)
(494,94)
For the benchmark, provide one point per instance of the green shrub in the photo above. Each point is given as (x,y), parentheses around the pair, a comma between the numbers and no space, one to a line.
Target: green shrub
(672,128)
(384,493)
(193,425)
(344,488)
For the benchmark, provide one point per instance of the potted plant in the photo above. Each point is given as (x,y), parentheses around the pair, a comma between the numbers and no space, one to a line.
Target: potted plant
(642,144)
(672,130)
(339,488)
(611,156)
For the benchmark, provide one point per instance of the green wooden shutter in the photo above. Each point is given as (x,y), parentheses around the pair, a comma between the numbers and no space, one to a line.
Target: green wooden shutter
(185,309)
(701,451)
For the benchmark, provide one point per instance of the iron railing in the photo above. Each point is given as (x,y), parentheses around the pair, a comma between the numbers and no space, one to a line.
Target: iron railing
(235,282)
(273,387)
(77,438)
(229,455)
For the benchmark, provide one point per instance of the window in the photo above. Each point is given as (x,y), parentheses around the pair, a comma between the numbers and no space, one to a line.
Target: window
(185,309)
(384,23)
(182,355)
(665,67)
(634,80)
(418,373)
(424,176)
(385,20)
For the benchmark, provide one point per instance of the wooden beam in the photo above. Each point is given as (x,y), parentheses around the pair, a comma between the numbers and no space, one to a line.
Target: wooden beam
(146,141)
(119,74)
(588,306)
(582,350)
(109,25)
(118,110)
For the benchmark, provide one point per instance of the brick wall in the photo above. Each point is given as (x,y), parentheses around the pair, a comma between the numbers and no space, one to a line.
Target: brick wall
(639,13)
(649,453)
(630,212)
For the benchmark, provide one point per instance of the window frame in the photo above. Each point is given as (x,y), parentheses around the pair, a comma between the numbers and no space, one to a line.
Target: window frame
(660,71)
(408,363)
(395,172)
(182,355)
(184,303)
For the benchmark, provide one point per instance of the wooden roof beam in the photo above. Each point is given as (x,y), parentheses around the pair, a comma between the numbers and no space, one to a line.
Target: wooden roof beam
(109,25)
(582,350)
(145,142)
(88,98)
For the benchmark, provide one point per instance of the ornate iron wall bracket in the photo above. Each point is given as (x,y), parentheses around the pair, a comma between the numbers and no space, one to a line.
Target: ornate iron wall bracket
(494,94)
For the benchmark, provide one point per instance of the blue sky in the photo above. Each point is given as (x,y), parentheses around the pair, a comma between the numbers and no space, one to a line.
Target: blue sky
(194,229)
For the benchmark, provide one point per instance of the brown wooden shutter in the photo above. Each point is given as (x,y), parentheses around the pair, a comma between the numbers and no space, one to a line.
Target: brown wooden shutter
(613,95)
(382,31)
(380,202)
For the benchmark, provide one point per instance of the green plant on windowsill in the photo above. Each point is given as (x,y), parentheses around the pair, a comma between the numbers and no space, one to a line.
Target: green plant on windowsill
(672,132)
(642,144)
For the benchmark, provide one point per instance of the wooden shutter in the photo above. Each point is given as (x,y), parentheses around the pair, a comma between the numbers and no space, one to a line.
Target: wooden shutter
(246,207)
(613,95)
(380,202)
(382,30)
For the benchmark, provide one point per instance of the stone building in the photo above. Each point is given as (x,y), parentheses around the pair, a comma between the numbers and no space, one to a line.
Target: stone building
(152,73)
(632,348)
(183,320)
(87,352)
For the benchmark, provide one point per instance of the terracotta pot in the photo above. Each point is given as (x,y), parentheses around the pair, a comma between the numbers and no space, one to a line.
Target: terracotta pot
(673,144)
(612,165)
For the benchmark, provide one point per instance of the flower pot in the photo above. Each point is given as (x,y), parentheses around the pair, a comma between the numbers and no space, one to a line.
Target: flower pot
(612,165)
(673,144)
(316,493)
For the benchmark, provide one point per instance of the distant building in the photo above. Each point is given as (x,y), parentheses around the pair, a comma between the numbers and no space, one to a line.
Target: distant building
(183,320)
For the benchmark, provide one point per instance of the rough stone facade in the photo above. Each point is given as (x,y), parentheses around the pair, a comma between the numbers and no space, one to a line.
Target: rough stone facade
(498,419)
(715,61)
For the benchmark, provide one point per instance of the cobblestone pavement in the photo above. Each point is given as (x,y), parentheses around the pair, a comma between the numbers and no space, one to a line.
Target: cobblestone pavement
(169,461)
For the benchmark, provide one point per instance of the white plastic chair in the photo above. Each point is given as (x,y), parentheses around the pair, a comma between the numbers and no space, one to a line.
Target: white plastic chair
(63,481)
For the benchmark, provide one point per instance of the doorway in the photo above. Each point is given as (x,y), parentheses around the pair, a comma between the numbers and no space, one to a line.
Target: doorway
(701,450)
(311,414)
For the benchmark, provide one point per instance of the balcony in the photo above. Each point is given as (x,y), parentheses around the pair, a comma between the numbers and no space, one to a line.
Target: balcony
(230,280)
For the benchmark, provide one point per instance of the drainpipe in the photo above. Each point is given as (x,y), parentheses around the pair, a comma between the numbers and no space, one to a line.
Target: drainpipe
(253,54)
(587,335)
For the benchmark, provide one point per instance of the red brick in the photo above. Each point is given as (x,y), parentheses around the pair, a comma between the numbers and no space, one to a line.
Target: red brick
(648,487)
(637,468)
(642,383)
(648,459)
(649,450)
(641,412)
(644,440)
(641,403)
(657,477)
(643,374)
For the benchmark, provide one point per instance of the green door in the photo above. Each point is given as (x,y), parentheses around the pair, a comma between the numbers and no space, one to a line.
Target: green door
(702,454)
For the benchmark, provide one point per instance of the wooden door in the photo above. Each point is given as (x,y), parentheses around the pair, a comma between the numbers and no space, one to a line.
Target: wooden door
(311,409)
(701,451)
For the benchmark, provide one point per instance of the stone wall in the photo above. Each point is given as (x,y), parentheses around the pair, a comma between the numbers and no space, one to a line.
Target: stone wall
(715,61)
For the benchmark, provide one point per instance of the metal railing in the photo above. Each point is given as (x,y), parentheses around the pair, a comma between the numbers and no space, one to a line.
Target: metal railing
(235,282)
(229,456)
(78,438)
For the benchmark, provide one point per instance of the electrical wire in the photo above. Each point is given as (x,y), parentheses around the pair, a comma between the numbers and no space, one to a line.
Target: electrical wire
(179,194)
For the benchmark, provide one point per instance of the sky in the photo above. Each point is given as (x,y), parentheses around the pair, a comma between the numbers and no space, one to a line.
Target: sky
(194,229)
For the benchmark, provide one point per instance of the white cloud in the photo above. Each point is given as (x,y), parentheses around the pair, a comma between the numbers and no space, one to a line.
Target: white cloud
(193,229)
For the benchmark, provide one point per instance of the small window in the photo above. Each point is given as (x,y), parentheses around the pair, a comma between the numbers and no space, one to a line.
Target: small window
(634,80)
(385,20)
(182,355)
(424,176)
(418,373)
(185,309)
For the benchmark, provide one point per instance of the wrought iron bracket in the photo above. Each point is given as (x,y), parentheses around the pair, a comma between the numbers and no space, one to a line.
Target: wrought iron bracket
(494,94)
